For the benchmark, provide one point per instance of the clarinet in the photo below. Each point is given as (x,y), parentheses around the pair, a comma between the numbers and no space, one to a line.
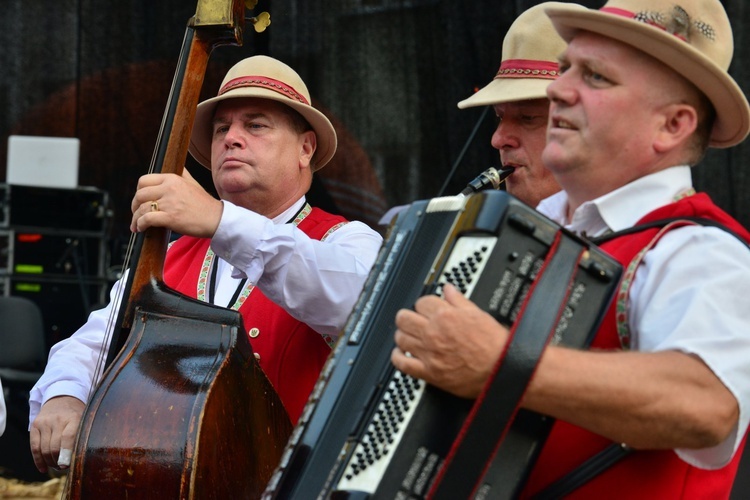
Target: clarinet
(489,179)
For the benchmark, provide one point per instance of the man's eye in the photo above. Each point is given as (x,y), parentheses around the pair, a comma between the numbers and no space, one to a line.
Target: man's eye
(596,78)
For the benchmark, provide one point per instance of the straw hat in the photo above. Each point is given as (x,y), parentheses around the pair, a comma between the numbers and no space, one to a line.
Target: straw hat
(693,37)
(529,60)
(267,78)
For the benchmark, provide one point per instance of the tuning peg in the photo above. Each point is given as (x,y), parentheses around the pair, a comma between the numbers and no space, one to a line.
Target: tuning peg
(250,4)
(261,22)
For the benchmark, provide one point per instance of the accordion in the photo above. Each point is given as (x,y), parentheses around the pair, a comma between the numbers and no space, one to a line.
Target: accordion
(371,431)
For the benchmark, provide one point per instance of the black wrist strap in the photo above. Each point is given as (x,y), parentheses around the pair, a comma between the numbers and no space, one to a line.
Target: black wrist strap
(584,472)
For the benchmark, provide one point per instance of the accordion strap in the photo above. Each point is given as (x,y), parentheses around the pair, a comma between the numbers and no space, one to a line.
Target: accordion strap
(585,472)
(664,222)
(493,412)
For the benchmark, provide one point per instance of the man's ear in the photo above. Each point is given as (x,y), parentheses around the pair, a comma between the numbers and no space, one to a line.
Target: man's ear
(309,142)
(680,121)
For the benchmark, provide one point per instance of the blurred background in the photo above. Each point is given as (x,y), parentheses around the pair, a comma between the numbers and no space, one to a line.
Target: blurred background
(388,73)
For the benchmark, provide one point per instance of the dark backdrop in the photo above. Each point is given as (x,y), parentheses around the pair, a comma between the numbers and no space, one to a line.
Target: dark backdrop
(388,72)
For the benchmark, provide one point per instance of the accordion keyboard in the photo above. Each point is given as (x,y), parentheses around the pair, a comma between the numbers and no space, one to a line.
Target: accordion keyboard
(391,418)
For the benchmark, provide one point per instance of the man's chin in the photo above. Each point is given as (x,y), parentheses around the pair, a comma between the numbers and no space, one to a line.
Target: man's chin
(232,192)
(555,156)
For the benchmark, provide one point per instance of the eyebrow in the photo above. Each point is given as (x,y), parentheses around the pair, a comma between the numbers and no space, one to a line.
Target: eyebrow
(597,65)
(245,116)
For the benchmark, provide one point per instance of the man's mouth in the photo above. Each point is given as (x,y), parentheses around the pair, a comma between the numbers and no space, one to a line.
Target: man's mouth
(560,123)
(506,171)
(230,162)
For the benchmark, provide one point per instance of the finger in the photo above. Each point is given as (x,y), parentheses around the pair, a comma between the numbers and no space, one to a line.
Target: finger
(145,203)
(148,180)
(63,460)
(51,450)
(454,297)
(138,212)
(429,305)
(410,321)
(43,443)
(408,364)
(406,342)
(67,442)
(147,215)
(144,196)
(69,434)
(36,452)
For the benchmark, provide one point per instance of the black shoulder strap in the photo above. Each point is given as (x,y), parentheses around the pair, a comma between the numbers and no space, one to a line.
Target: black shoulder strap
(663,222)
(584,472)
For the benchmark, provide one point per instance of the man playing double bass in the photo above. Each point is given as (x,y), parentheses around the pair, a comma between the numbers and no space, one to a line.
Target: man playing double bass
(291,270)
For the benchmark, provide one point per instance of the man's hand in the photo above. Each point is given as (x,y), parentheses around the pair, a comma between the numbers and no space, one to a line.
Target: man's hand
(451,343)
(54,430)
(175,202)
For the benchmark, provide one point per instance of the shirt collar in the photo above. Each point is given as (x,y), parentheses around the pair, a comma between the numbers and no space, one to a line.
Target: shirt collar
(623,207)
(290,212)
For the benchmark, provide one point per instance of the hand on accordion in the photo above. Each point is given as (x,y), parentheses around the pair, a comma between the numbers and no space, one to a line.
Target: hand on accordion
(448,342)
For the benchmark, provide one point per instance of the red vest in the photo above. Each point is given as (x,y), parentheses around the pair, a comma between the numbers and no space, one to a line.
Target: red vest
(290,352)
(642,474)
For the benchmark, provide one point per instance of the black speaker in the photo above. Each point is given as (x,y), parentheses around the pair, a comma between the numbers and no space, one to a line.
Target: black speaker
(68,255)
(82,209)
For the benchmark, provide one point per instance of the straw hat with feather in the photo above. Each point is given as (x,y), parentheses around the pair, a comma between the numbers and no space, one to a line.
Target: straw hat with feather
(693,37)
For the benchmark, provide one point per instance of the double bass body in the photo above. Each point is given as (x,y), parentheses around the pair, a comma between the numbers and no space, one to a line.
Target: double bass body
(186,412)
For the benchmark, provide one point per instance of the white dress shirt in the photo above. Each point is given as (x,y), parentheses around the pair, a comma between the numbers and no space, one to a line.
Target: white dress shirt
(317,282)
(688,294)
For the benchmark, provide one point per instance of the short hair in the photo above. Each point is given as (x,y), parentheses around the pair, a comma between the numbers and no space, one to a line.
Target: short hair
(706,120)
(689,94)
(296,120)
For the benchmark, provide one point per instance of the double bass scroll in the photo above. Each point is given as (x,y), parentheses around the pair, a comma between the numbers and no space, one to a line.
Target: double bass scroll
(183,410)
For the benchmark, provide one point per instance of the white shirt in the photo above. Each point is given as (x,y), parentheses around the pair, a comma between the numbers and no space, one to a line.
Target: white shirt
(317,282)
(688,294)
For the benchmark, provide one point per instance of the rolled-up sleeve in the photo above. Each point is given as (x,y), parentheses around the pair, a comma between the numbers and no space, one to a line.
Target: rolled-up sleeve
(707,317)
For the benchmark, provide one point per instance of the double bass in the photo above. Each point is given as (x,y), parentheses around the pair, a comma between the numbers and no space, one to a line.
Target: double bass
(182,410)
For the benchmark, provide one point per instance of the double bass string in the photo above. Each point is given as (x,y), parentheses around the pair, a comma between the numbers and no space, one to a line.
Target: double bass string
(122,286)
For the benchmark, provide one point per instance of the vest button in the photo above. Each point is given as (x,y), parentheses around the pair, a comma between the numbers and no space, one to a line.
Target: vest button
(254,332)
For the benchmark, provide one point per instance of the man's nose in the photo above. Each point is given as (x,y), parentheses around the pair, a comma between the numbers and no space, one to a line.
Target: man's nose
(505,136)
(561,90)
(234,135)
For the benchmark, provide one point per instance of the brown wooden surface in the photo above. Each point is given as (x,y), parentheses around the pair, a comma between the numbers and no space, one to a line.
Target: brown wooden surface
(184,412)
